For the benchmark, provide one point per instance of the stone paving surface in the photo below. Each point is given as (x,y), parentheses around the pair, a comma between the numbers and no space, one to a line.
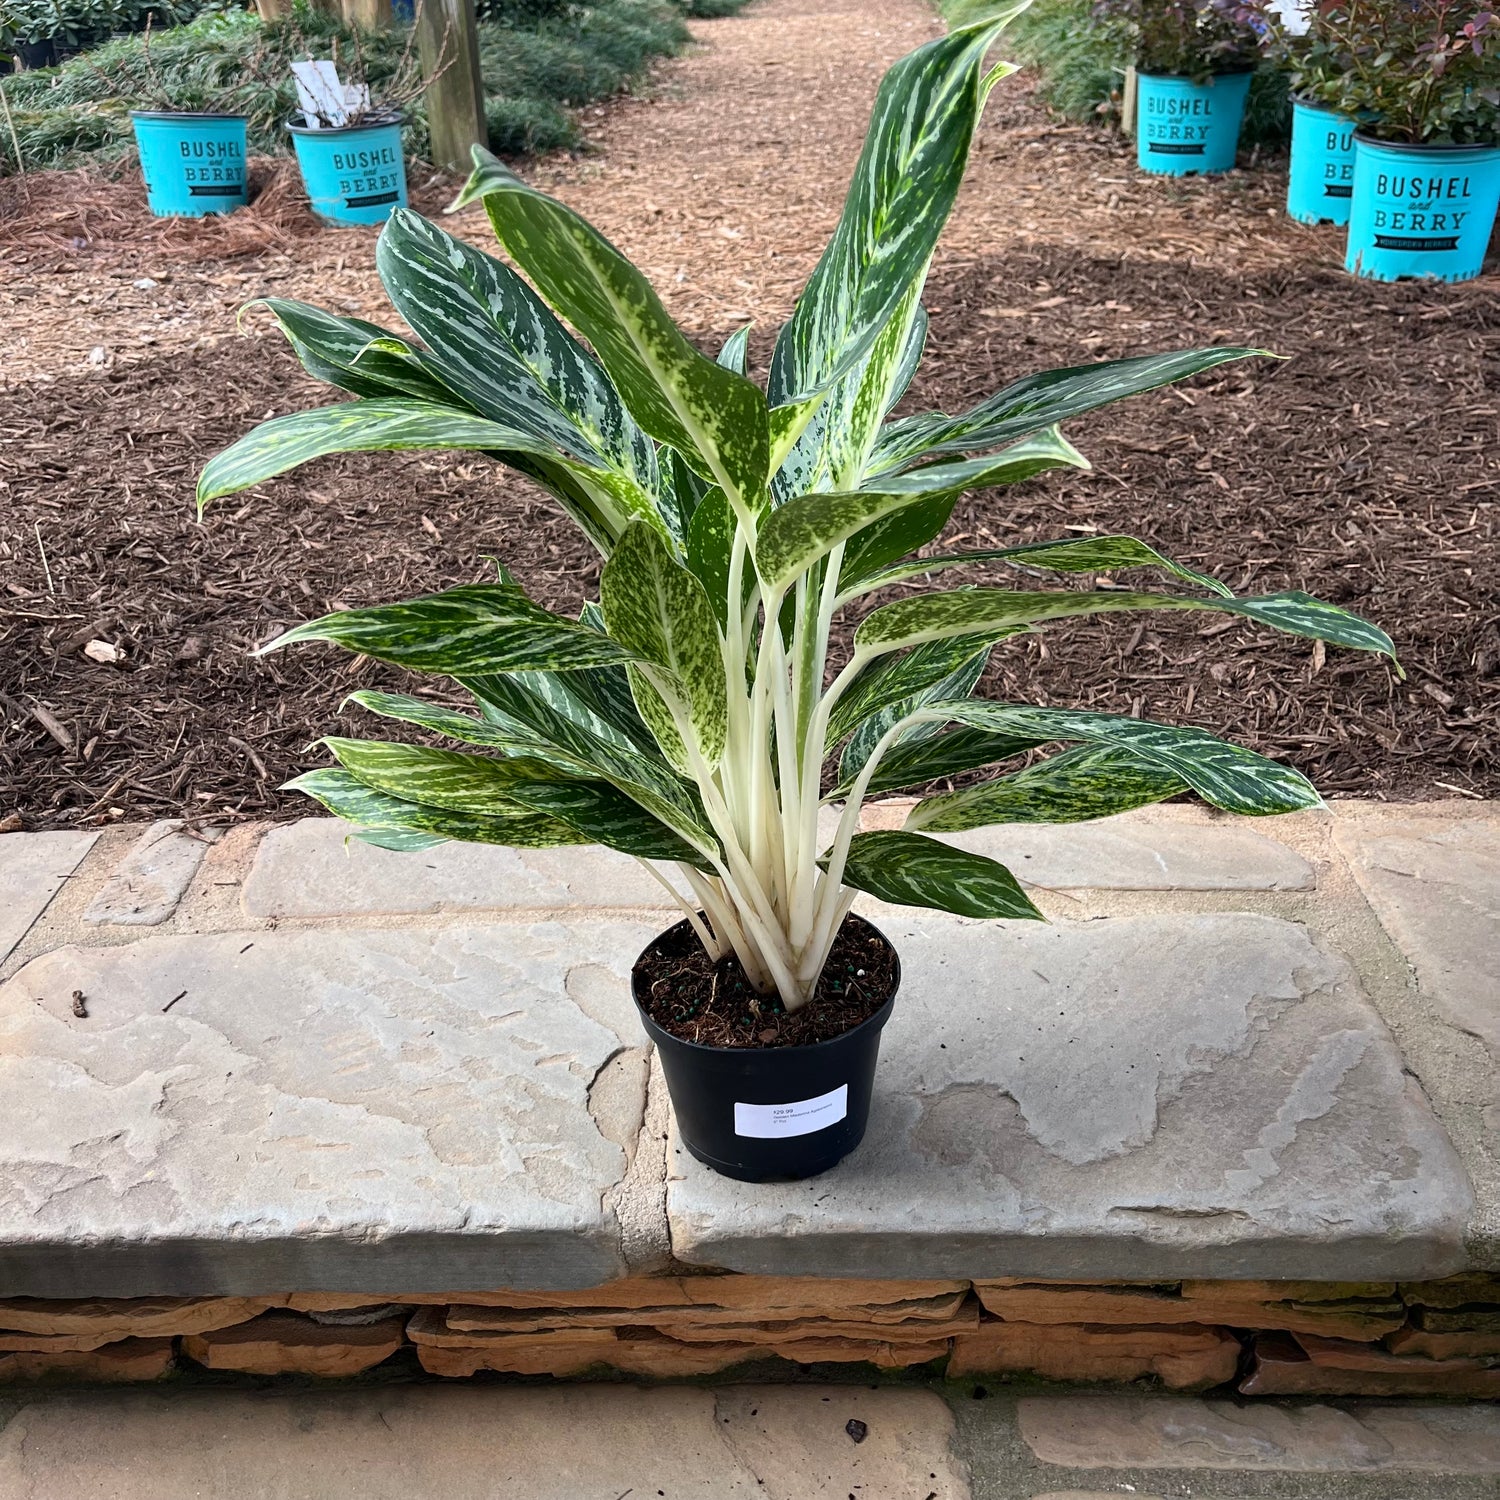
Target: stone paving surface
(298,1109)
(314,869)
(33,867)
(796,1441)
(340,1068)
(1025,1123)
(149,882)
(478,1443)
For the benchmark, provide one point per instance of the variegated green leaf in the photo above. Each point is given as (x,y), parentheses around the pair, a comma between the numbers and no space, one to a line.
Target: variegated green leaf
(957,684)
(406,709)
(658,717)
(787,425)
(911,355)
(1226,775)
(397,840)
(389,424)
(898,535)
(805,529)
(496,343)
(347,797)
(909,870)
(962,612)
(1039,401)
(710,542)
(531,704)
(736,351)
(1093,554)
(355,355)
(715,418)
(511,739)
(858,328)
(903,189)
(916,760)
(482,627)
(485,786)
(660,612)
(888,680)
(1089,781)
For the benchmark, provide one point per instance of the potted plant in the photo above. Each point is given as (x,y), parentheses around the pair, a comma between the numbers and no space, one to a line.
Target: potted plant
(1424,77)
(1194,60)
(688,718)
(193,161)
(35,26)
(348,148)
(1320,180)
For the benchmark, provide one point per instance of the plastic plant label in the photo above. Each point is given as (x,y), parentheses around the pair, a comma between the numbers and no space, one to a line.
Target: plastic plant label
(320,94)
(775,1122)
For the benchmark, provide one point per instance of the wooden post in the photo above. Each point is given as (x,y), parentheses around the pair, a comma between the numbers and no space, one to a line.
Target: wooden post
(1129,93)
(272,10)
(449,42)
(370,14)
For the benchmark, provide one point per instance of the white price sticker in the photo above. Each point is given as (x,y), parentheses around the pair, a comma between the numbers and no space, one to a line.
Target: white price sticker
(772,1122)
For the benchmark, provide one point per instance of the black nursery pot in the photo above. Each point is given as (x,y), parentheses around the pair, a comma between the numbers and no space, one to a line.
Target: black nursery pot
(768,1114)
(37,54)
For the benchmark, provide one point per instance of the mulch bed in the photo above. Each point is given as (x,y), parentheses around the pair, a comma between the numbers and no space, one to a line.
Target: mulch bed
(1356,470)
(1362,469)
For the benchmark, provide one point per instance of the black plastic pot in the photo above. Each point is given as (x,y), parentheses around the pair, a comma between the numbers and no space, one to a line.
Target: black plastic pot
(36,54)
(769,1114)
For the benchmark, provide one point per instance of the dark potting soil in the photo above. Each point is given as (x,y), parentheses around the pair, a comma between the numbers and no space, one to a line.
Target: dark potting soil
(689,995)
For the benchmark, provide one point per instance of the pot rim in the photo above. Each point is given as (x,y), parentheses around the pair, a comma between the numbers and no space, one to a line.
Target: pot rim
(1419,147)
(802,1049)
(1188,78)
(374,122)
(184,114)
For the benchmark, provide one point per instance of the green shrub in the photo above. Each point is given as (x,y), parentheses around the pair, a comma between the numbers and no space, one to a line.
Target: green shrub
(522,127)
(1081,68)
(229,61)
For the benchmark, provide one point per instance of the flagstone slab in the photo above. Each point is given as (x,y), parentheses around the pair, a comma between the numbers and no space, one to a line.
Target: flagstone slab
(33,867)
(146,886)
(247,1114)
(315,869)
(1434,882)
(1135,1098)
(1151,850)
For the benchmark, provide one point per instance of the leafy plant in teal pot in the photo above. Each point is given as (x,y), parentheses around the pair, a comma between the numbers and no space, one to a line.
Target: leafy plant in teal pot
(691,718)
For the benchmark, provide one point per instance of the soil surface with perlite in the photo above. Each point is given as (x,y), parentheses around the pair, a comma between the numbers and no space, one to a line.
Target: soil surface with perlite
(713,1004)
(1362,468)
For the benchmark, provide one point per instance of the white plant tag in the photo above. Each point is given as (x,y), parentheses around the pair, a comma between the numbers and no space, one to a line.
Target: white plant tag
(774,1122)
(319,93)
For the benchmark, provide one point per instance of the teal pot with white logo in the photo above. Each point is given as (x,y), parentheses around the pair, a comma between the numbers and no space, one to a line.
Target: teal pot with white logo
(1320,184)
(1182,127)
(354,174)
(1421,212)
(194,164)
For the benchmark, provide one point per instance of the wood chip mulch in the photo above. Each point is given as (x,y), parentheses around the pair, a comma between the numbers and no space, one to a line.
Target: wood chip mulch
(1363,468)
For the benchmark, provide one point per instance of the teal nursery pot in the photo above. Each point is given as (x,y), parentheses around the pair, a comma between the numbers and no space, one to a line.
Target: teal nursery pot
(1321,182)
(1184,127)
(354,174)
(193,164)
(1421,211)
